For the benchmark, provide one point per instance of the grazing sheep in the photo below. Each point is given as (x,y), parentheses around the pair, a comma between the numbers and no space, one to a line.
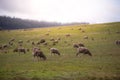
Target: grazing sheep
(85,37)
(27,50)
(12,40)
(38,53)
(59,39)
(20,50)
(42,40)
(92,38)
(80,29)
(28,41)
(47,34)
(76,45)
(54,51)
(67,35)
(117,42)
(52,39)
(4,46)
(54,42)
(33,43)
(83,50)
(20,41)
(45,43)
(15,50)
(83,31)
(38,43)
(10,43)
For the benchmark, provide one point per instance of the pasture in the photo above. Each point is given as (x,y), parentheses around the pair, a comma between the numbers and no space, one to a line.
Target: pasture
(103,65)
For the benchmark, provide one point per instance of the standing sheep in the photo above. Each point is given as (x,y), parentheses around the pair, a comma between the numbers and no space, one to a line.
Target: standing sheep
(38,53)
(83,50)
(20,50)
(54,51)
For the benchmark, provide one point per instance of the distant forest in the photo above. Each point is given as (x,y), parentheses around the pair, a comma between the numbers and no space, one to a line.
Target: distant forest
(17,23)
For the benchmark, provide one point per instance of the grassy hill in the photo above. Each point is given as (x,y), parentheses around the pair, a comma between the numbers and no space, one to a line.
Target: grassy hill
(103,65)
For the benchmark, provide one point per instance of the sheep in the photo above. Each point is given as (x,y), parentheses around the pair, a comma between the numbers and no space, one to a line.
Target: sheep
(20,41)
(20,50)
(28,41)
(117,42)
(42,40)
(47,34)
(10,43)
(76,45)
(67,35)
(54,42)
(81,45)
(85,37)
(80,29)
(27,50)
(92,38)
(54,51)
(38,43)
(15,50)
(52,39)
(4,46)
(58,38)
(83,50)
(33,43)
(83,31)
(38,53)
(45,43)
(12,40)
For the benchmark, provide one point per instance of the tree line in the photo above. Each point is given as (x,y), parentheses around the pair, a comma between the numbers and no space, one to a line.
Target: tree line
(17,23)
(7,22)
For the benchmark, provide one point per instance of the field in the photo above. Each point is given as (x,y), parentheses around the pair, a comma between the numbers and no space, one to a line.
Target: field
(103,65)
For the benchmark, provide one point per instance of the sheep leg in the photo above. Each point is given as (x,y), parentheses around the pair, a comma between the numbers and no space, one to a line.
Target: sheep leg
(89,53)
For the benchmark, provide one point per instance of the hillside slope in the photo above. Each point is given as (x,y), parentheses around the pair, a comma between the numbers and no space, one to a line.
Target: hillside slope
(103,65)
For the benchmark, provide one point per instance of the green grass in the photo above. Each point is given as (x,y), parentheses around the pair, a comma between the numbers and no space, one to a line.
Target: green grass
(103,65)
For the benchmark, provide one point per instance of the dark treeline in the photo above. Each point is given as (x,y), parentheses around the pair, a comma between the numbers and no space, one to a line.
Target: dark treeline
(17,23)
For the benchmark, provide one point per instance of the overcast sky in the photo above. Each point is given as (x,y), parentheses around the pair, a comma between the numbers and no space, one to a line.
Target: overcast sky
(93,11)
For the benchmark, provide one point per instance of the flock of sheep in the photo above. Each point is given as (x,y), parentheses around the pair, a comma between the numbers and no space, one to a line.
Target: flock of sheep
(37,52)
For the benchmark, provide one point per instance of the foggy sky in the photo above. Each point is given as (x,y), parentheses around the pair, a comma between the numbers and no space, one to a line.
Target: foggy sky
(94,11)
